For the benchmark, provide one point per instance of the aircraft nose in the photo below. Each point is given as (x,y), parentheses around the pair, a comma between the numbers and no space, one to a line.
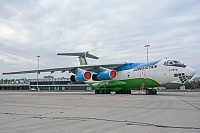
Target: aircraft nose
(189,71)
(187,75)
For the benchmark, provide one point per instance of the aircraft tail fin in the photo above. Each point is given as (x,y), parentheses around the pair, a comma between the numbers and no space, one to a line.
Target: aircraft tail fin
(82,60)
(81,55)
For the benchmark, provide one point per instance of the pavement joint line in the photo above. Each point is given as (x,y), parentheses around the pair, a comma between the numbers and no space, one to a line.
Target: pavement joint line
(188,103)
(127,122)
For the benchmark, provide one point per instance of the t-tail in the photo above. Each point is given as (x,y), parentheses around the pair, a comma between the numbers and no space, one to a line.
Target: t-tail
(81,55)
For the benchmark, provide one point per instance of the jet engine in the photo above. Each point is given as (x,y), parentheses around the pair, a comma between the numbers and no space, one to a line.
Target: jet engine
(105,75)
(81,76)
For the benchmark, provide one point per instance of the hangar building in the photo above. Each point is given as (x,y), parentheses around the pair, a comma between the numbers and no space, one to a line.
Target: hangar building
(47,83)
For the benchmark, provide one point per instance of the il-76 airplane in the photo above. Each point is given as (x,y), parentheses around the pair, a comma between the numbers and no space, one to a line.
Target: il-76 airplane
(122,77)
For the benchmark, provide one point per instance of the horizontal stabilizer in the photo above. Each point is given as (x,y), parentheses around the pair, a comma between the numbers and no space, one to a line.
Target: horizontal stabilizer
(79,54)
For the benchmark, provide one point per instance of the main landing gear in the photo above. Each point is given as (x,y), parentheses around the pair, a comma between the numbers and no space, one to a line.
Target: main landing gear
(102,91)
(106,91)
(123,92)
(151,91)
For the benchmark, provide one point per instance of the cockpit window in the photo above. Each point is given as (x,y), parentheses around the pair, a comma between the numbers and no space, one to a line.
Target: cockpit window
(174,63)
(170,63)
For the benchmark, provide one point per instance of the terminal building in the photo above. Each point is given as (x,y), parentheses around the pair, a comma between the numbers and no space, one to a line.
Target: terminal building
(48,83)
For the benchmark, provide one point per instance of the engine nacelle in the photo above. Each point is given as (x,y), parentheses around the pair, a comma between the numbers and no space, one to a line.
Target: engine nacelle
(81,76)
(105,75)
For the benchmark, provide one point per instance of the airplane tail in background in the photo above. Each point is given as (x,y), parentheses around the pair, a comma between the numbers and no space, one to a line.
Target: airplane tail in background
(81,55)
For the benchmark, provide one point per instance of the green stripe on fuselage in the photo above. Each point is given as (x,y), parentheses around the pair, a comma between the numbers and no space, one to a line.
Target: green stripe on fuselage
(116,85)
(108,84)
(137,83)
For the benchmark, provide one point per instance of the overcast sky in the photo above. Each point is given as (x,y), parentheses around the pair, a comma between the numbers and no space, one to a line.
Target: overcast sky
(114,30)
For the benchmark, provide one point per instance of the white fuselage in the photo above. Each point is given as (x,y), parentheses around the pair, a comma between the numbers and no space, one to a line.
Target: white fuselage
(158,72)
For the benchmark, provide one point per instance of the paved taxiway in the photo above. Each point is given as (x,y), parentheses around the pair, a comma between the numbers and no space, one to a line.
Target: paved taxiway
(32,112)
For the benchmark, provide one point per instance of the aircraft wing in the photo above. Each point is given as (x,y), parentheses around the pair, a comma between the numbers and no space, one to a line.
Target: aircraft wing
(70,69)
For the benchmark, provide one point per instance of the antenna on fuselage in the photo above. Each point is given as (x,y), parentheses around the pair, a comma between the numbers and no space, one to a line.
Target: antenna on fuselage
(81,55)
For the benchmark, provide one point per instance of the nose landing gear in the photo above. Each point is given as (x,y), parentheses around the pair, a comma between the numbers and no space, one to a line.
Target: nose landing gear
(151,91)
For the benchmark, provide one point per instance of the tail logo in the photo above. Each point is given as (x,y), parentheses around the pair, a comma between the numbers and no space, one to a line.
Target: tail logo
(83,61)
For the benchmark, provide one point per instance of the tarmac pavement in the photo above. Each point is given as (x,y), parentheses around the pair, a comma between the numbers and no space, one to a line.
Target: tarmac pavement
(85,112)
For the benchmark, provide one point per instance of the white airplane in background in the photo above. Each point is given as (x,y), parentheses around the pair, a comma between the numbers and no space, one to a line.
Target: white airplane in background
(123,77)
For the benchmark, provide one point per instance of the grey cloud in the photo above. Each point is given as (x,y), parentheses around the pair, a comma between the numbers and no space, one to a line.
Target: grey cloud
(116,31)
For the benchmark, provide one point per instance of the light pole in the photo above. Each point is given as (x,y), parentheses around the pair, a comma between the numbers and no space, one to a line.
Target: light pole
(38,72)
(147,45)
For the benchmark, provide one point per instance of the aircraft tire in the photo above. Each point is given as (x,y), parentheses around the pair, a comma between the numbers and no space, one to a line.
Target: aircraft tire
(128,91)
(155,91)
(97,91)
(101,91)
(108,91)
(147,91)
(151,92)
(117,92)
(123,92)
(120,92)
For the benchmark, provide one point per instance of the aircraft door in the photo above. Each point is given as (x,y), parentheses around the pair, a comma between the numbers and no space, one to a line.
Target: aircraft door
(128,75)
(142,77)
(142,74)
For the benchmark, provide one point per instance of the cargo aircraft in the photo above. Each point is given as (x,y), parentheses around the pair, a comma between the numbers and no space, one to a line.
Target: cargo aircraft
(123,77)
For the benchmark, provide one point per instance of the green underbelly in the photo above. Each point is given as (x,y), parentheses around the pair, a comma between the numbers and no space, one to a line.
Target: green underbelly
(116,85)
